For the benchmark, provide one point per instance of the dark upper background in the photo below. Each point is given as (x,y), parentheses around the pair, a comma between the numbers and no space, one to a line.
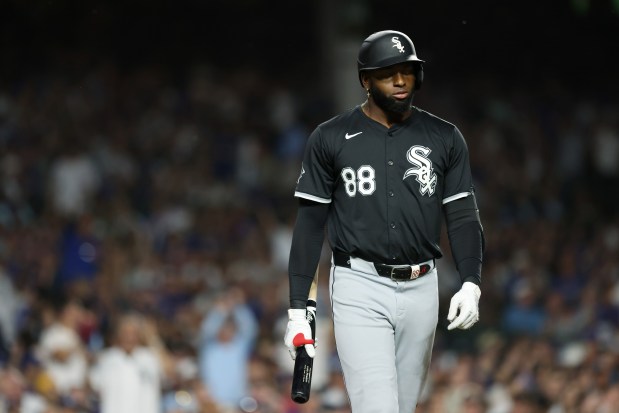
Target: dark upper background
(528,39)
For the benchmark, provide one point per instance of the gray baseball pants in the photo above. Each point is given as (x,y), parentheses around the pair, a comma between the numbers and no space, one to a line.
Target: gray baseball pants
(384,333)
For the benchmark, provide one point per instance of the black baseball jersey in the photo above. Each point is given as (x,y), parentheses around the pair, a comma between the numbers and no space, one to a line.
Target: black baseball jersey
(386,186)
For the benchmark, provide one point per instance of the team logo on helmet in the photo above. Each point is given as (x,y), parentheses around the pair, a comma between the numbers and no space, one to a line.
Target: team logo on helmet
(423,170)
(397,43)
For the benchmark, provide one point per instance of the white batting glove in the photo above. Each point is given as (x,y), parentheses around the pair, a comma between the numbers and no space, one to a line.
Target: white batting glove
(298,333)
(464,304)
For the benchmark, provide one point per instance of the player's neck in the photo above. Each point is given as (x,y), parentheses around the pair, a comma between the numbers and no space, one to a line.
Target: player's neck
(387,119)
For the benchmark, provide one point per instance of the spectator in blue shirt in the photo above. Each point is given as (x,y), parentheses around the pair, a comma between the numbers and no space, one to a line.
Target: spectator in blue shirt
(523,315)
(227,339)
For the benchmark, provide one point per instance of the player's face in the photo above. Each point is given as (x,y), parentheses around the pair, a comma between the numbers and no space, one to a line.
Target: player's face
(391,87)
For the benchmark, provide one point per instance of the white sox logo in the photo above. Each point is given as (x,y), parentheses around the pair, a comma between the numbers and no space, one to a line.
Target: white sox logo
(418,156)
(301,174)
(397,43)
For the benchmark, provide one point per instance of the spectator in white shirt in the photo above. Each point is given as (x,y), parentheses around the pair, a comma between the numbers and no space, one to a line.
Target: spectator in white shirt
(128,375)
(74,178)
(61,350)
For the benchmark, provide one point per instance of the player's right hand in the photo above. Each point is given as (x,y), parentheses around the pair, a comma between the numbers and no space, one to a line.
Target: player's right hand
(298,333)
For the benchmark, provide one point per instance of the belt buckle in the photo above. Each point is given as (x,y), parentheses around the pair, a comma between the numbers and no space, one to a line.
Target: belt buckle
(415,271)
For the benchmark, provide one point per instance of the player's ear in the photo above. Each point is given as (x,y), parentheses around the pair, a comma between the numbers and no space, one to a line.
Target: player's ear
(365,80)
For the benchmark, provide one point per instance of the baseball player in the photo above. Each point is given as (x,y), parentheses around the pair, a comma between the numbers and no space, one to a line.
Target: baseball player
(380,177)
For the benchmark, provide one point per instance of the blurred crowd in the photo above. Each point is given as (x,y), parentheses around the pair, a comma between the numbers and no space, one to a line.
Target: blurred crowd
(145,224)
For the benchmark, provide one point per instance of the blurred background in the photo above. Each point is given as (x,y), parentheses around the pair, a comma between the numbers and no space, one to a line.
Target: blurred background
(148,155)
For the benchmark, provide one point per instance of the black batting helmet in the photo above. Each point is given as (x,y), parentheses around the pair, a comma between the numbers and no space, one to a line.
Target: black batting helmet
(388,48)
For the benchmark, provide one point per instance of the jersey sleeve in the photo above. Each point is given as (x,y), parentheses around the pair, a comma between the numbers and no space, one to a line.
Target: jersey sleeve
(315,181)
(458,178)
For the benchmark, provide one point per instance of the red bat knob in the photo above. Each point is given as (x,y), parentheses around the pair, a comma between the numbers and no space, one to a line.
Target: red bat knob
(300,340)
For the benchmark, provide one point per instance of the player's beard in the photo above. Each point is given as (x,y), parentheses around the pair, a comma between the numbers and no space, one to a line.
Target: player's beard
(389,103)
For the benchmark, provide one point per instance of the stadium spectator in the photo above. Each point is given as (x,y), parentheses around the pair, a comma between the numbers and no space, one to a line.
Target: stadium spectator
(61,351)
(226,342)
(128,376)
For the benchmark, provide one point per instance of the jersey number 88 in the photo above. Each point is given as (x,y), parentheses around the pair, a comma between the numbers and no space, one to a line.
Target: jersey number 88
(363,180)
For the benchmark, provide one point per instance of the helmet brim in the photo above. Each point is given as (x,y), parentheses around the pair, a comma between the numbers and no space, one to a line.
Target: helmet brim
(392,61)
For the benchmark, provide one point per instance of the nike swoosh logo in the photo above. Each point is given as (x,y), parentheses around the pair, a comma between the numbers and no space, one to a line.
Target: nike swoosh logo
(348,136)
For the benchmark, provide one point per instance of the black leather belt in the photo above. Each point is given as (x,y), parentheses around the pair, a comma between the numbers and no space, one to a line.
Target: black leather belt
(395,272)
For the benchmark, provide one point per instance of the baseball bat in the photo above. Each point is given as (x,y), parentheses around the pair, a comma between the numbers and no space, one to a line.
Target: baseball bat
(304,364)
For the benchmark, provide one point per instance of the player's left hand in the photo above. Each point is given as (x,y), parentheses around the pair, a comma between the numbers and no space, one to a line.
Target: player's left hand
(464,304)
